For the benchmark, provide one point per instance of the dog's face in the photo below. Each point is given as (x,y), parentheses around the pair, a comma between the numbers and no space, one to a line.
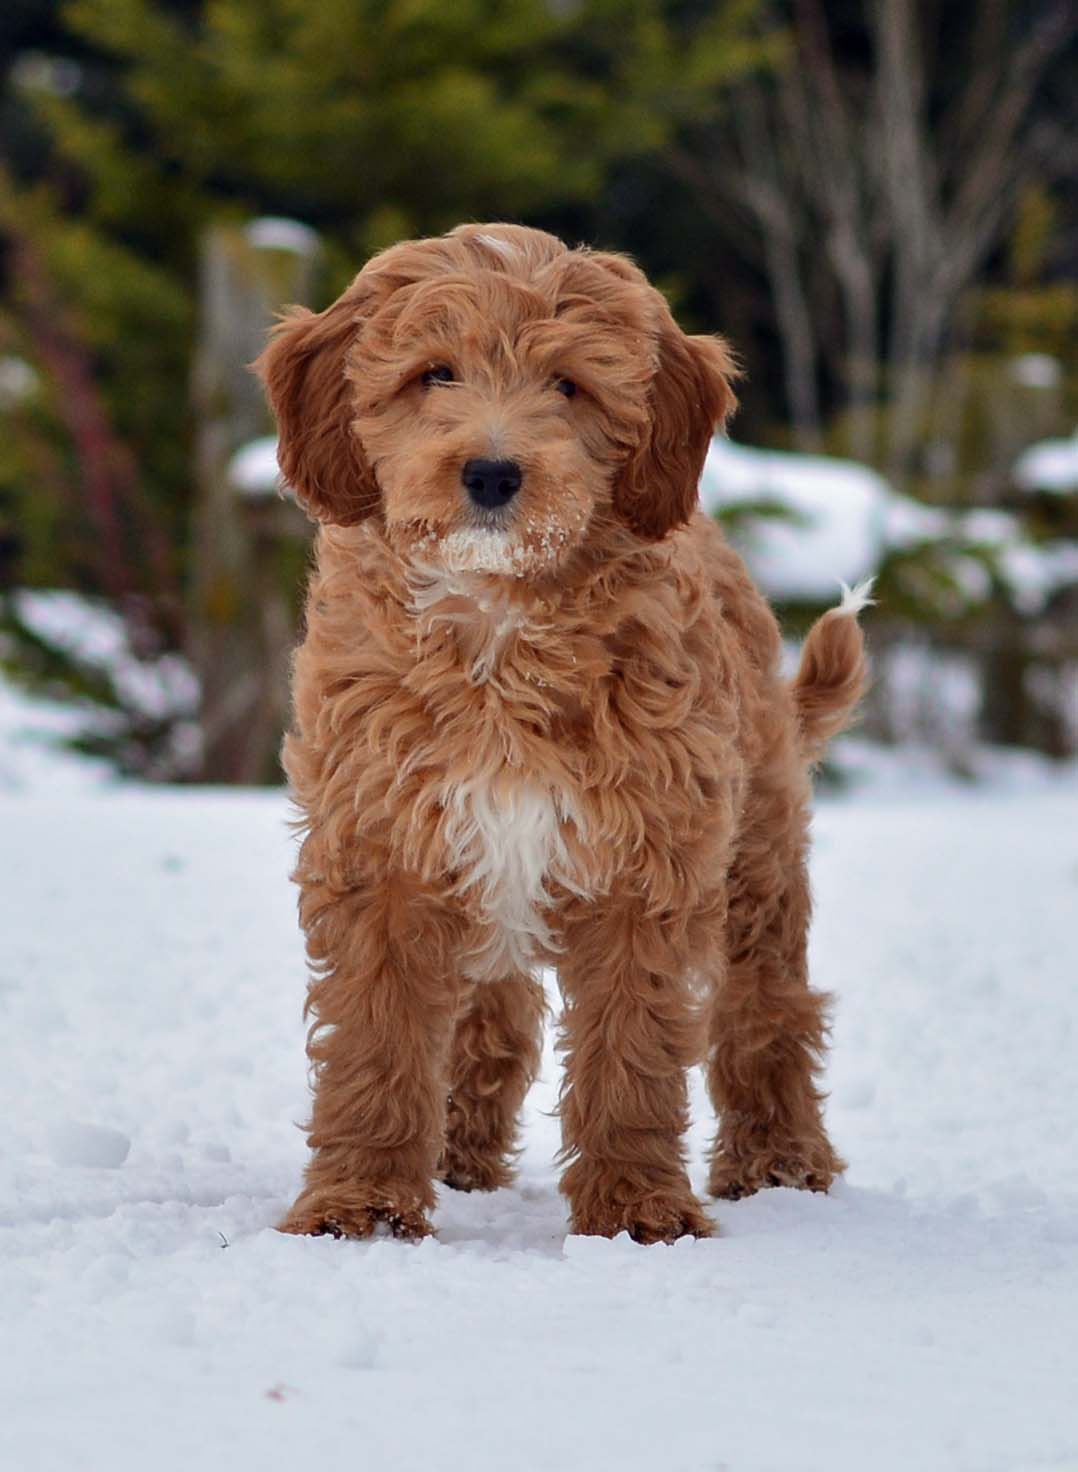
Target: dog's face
(494,397)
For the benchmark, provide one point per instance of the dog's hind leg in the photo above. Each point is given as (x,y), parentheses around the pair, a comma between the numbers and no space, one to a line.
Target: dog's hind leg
(495,1058)
(767,1029)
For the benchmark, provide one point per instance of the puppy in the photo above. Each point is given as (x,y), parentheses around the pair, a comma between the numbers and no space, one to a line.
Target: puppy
(540,721)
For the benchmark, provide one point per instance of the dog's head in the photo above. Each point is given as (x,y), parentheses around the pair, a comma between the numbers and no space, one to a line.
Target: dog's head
(492,395)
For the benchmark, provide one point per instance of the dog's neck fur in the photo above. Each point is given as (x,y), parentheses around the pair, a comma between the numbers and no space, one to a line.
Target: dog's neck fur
(511,830)
(503,829)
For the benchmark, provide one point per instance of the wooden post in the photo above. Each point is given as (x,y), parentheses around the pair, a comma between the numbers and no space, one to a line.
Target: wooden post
(241,605)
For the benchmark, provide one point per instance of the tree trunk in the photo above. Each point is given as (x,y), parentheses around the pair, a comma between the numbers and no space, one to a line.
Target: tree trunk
(236,623)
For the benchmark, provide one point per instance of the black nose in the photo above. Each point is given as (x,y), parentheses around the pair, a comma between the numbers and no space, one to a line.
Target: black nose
(491,482)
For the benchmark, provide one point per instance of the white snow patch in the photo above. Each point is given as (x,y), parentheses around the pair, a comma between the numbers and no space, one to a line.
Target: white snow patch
(844,517)
(33,755)
(89,630)
(275,232)
(71,1142)
(1037,370)
(1050,465)
(253,470)
(18,381)
(1034,573)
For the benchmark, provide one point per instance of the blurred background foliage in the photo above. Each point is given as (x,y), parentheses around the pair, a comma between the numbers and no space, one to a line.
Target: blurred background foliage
(877,200)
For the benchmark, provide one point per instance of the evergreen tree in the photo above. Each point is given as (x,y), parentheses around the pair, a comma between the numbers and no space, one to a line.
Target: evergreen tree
(129,126)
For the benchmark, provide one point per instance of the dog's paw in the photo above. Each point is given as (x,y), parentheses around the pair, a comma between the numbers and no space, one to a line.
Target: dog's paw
(466,1170)
(356,1213)
(812,1166)
(654,1218)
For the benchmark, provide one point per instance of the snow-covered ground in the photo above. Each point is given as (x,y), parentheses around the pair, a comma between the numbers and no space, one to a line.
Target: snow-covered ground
(923,1316)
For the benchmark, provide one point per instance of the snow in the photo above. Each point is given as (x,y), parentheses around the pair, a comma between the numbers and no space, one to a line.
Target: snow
(155,687)
(72,1142)
(1037,370)
(1049,465)
(253,469)
(842,517)
(1034,574)
(32,733)
(275,232)
(151,1066)
(92,632)
(18,380)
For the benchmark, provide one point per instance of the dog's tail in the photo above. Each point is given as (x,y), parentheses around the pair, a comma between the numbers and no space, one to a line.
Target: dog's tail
(831,677)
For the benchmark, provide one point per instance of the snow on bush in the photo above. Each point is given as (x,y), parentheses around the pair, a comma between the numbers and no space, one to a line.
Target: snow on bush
(93,634)
(132,692)
(824,519)
(1050,465)
(839,517)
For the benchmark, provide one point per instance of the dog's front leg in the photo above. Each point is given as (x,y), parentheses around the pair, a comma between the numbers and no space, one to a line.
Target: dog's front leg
(630,1031)
(383,1000)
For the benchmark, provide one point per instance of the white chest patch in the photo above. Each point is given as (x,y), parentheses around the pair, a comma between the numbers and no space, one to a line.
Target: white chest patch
(505,838)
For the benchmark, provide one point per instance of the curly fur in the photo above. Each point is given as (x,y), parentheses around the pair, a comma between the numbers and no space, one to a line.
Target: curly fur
(555,734)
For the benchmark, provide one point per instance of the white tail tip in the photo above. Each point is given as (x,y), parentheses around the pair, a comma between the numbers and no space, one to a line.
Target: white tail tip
(855,599)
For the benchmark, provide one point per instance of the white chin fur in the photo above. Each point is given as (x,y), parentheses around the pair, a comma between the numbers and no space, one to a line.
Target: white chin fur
(511,553)
(479,549)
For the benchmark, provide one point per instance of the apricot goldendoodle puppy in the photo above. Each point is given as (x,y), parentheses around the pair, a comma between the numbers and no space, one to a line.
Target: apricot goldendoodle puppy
(539,720)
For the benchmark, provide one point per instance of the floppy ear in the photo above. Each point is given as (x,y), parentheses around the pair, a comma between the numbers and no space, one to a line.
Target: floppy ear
(690,396)
(303,369)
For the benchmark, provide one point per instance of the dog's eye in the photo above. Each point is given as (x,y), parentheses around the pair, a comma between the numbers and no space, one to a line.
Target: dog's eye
(565,386)
(440,373)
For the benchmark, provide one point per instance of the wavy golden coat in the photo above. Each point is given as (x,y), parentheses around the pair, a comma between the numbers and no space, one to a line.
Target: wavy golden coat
(539,720)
